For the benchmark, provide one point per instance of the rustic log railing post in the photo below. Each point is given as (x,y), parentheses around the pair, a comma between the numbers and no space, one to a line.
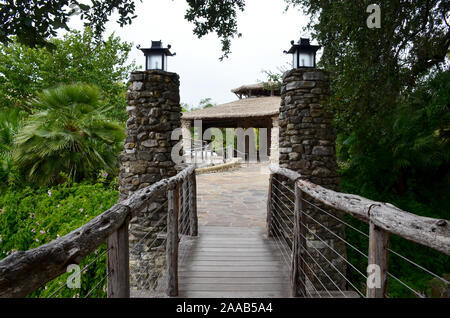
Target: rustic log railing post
(193,218)
(185,189)
(302,242)
(180,208)
(269,207)
(172,241)
(378,262)
(118,262)
(298,277)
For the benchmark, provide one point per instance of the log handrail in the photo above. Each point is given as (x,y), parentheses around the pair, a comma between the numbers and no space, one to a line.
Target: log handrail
(292,175)
(25,271)
(434,233)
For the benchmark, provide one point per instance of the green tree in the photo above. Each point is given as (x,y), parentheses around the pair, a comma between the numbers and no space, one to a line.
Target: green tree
(68,136)
(204,103)
(274,79)
(34,21)
(24,71)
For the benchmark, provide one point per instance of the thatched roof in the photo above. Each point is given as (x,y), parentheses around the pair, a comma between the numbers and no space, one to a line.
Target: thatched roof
(258,89)
(245,88)
(248,107)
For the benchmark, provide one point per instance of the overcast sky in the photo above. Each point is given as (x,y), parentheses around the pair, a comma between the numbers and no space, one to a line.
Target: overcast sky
(266,31)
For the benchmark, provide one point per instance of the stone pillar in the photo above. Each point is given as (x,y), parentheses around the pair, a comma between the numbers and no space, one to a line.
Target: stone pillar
(274,137)
(187,140)
(154,112)
(307,145)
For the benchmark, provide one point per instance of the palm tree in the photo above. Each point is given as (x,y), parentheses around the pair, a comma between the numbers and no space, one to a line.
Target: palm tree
(10,122)
(68,136)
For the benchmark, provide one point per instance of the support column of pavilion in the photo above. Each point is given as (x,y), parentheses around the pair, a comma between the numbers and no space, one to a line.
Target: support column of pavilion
(187,140)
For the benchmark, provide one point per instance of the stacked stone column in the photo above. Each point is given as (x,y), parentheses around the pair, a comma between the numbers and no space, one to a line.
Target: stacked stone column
(154,112)
(307,145)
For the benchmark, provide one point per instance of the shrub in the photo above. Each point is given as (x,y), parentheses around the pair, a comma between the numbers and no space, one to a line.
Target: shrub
(31,217)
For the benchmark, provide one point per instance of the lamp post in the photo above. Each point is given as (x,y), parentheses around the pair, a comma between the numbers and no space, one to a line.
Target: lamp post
(156,56)
(303,53)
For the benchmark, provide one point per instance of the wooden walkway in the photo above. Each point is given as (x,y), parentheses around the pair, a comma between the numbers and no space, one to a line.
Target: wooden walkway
(232,262)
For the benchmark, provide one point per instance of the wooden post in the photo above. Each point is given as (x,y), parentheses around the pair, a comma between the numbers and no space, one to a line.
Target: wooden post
(269,207)
(298,279)
(186,216)
(203,149)
(193,218)
(378,262)
(302,243)
(172,242)
(118,263)
(180,208)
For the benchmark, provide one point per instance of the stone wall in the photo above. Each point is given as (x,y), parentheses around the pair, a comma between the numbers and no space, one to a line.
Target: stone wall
(307,145)
(154,112)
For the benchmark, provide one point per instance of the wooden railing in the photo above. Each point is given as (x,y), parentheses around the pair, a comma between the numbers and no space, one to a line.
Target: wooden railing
(383,219)
(25,271)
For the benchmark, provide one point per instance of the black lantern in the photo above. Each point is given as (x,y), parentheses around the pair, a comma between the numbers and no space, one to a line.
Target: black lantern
(303,53)
(156,56)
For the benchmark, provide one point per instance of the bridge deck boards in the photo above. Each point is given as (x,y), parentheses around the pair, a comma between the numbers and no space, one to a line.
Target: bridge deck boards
(231,262)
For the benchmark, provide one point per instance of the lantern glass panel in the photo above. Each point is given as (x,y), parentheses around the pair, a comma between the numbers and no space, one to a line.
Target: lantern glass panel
(154,62)
(306,59)
(294,60)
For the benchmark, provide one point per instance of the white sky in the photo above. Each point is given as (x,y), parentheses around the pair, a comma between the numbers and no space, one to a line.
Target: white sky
(266,31)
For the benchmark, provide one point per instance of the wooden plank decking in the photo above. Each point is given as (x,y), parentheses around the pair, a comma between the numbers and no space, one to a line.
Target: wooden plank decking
(232,262)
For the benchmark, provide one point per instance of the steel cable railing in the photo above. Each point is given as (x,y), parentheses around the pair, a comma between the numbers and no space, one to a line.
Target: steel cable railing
(311,234)
(77,276)
(365,256)
(284,221)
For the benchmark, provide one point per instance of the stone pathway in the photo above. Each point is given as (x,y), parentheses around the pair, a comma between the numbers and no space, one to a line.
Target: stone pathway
(233,198)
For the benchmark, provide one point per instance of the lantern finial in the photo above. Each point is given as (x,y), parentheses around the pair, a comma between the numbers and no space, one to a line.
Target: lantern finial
(156,56)
(304,54)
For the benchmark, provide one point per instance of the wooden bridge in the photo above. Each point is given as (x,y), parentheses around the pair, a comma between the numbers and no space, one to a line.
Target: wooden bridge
(233,262)
(211,261)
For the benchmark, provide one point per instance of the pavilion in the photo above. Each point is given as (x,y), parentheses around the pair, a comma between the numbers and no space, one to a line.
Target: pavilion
(258,106)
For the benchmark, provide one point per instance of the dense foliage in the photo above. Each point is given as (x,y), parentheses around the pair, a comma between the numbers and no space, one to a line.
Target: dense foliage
(58,113)
(25,71)
(30,217)
(68,136)
(407,166)
(34,21)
